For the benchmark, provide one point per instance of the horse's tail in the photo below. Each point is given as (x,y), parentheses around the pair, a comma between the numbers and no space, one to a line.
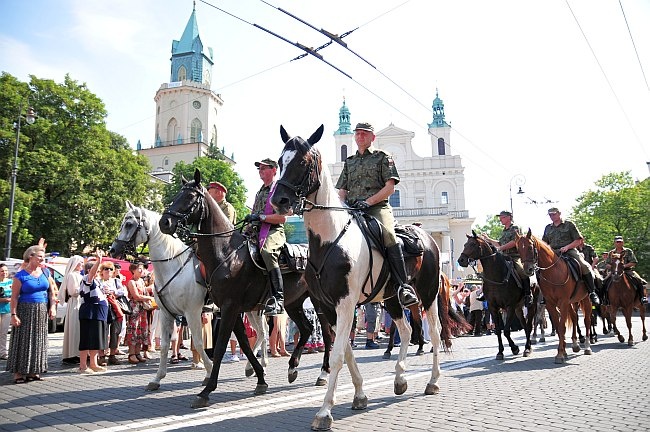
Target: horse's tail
(451,322)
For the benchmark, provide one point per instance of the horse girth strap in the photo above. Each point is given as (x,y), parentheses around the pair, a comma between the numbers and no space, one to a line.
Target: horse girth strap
(160,291)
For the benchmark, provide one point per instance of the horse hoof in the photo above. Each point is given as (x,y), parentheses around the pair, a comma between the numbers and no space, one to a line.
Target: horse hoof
(582,339)
(576,349)
(249,372)
(293,374)
(559,360)
(322,423)
(621,338)
(152,386)
(553,333)
(542,340)
(419,352)
(533,341)
(588,352)
(500,356)
(320,382)
(515,350)
(432,389)
(261,389)
(400,388)
(205,382)
(200,402)
(645,337)
(360,403)
(386,355)
(630,343)
(527,353)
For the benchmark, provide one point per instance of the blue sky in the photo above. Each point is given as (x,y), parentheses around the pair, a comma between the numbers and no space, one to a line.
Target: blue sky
(522,88)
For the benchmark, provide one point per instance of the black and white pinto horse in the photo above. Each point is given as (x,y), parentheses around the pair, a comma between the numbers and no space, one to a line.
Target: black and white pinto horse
(178,292)
(342,266)
(237,283)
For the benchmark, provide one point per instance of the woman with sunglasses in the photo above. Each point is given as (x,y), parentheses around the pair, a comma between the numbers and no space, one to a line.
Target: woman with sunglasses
(112,287)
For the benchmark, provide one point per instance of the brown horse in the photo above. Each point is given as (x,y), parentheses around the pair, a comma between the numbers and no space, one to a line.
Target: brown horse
(622,295)
(561,290)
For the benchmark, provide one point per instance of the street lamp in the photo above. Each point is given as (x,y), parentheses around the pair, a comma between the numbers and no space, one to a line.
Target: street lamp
(519,180)
(30,117)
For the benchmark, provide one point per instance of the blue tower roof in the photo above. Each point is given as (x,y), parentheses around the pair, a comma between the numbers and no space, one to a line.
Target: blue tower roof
(191,32)
(438,113)
(344,121)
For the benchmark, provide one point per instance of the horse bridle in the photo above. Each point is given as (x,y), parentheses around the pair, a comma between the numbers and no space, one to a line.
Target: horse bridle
(539,270)
(472,262)
(129,245)
(309,183)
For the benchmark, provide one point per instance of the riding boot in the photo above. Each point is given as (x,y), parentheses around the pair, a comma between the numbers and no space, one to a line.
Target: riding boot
(405,292)
(591,287)
(528,296)
(275,304)
(641,290)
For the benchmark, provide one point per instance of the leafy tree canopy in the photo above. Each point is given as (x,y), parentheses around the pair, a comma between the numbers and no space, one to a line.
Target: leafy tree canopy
(492,227)
(74,175)
(617,206)
(211,170)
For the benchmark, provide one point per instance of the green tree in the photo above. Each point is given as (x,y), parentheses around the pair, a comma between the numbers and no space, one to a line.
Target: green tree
(492,227)
(211,170)
(617,206)
(74,174)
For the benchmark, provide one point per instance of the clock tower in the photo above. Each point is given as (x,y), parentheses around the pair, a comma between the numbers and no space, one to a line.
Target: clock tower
(186,107)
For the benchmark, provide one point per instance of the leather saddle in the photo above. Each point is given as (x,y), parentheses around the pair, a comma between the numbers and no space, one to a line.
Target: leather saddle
(405,234)
(293,257)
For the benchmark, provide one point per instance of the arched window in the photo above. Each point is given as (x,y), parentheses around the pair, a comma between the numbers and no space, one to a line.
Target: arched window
(394,199)
(172,130)
(182,73)
(166,162)
(444,198)
(195,132)
(441,146)
(344,152)
(213,136)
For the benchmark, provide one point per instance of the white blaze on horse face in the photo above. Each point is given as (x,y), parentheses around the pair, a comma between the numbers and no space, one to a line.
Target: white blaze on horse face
(286,159)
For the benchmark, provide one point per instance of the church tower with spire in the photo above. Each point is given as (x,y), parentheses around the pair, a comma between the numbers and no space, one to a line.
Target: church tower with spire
(439,129)
(186,107)
(344,136)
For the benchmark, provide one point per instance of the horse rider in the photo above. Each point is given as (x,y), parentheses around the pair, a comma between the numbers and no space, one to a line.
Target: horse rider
(563,237)
(629,262)
(506,245)
(367,181)
(218,192)
(601,265)
(588,252)
(270,235)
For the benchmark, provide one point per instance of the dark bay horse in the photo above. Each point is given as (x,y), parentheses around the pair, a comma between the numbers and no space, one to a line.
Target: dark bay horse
(622,294)
(501,291)
(237,283)
(561,290)
(343,267)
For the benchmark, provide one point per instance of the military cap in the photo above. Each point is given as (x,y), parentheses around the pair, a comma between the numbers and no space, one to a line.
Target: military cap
(618,238)
(364,126)
(553,210)
(505,213)
(267,161)
(217,185)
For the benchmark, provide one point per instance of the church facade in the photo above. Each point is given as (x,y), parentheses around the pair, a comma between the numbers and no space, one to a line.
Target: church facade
(431,191)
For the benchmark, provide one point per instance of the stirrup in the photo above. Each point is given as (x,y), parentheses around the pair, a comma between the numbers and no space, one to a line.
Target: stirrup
(273,307)
(406,296)
(644,300)
(594,298)
(528,300)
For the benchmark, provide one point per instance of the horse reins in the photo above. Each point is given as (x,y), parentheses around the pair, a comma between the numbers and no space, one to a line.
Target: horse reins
(539,269)
(492,255)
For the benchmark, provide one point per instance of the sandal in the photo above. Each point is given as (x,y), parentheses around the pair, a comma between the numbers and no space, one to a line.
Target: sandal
(34,378)
(133,356)
(140,359)
(182,357)
(20,380)
(173,360)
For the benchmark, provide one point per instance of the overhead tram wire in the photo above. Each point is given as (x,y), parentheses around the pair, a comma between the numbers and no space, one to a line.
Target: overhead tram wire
(314,52)
(634,45)
(618,101)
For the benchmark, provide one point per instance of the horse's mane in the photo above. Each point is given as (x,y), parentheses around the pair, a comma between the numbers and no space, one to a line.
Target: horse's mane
(542,245)
(219,218)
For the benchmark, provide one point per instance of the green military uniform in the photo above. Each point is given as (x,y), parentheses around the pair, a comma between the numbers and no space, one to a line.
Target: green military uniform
(560,236)
(602,267)
(628,257)
(276,238)
(228,210)
(508,235)
(363,176)
(589,253)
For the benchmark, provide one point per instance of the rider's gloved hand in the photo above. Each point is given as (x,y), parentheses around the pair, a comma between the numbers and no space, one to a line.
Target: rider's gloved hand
(253,217)
(361,205)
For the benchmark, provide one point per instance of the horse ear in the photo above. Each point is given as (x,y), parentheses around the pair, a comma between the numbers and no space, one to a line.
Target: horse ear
(183,179)
(197,177)
(316,136)
(529,234)
(129,206)
(284,135)
(473,234)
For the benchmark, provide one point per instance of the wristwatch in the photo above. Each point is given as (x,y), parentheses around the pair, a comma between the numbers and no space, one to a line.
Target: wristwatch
(262,218)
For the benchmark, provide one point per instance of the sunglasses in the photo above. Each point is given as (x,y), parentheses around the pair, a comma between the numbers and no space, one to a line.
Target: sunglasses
(108,268)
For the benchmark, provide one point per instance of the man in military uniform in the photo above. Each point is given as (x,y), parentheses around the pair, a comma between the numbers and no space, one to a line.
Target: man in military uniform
(601,266)
(218,192)
(564,237)
(270,235)
(629,262)
(367,180)
(506,245)
(588,253)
